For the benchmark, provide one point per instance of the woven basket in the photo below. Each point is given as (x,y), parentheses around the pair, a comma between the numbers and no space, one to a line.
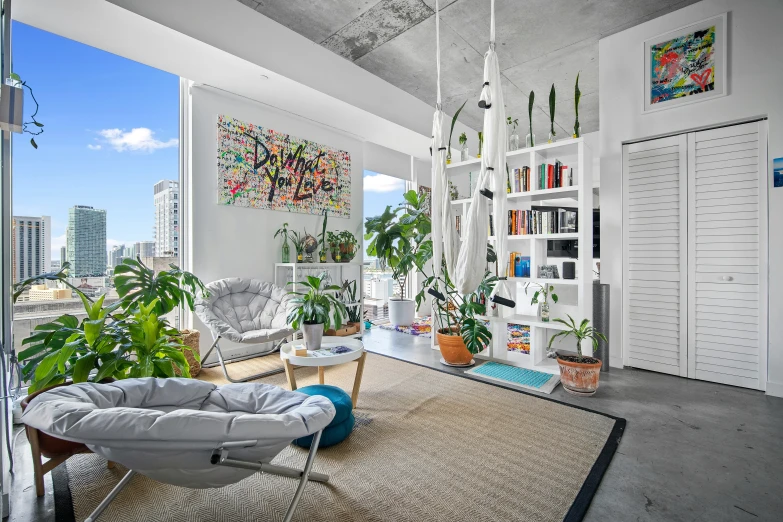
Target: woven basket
(190,338)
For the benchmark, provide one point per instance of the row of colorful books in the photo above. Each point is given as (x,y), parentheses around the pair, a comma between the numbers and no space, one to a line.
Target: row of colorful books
(458,224)
(518,265)
(555,221)
(547,176)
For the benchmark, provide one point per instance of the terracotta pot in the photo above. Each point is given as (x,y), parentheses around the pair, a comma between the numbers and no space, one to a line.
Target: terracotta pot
(453,348)
(579,378)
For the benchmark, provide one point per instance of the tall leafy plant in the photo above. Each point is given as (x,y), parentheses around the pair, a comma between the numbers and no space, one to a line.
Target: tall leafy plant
(552,110)
(398,238)
(319,304)
(577,97)
(137,284)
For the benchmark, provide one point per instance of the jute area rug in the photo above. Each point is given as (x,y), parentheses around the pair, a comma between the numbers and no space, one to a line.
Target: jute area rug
(427,446)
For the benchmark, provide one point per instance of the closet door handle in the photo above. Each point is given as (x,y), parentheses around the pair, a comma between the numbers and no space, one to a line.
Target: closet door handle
(726,278)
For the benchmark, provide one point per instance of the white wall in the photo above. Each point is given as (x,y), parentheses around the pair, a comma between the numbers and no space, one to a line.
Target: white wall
(755,71)
(228,241)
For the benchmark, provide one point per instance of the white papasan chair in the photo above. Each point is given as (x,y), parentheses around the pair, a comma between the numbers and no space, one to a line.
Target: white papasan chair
(246,311)
(185,432)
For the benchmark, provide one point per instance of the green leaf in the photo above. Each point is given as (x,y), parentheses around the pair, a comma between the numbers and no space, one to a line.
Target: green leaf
(552,109)
(33,143)
(47,365)
(82,367)
(454,122)
(15,76)
(38,124)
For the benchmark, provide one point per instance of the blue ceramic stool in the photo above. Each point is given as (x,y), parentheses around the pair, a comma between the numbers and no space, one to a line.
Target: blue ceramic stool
(342,424)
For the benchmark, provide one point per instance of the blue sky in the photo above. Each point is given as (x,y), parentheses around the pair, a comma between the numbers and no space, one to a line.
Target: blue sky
(91,102)
(111,131)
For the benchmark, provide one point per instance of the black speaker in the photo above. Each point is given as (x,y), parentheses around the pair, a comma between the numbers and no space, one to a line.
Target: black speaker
(569,270)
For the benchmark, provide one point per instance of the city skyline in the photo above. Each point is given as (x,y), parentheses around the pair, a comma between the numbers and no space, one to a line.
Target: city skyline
(111,132)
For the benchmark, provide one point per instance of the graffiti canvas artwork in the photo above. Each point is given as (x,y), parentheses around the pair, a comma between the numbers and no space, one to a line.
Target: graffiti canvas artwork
(262,168)
(683,66)
(686,65)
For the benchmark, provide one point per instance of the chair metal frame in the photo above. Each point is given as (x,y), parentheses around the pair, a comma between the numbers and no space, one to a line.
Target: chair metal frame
(216,347)
(220,457)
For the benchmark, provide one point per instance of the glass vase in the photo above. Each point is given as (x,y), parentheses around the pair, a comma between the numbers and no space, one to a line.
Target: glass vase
(322,256)
(448,159)
(530,140)
(578,132)
(464,152)
(286,252)
(544,312)
(513,141)
(552,138)
(299,257)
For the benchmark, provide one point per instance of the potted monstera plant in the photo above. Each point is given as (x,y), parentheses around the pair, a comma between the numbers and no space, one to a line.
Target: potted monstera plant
(316,309)
(578,374)
(398,238)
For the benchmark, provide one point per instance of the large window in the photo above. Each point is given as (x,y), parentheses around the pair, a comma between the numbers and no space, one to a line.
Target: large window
(380,191)
(103,183)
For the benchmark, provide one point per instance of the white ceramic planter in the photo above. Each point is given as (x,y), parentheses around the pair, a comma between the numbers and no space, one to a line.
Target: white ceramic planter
(313,333)
(402,312)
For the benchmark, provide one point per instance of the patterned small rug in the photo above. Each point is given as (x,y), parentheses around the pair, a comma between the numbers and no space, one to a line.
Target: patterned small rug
(413,456)
(516,377)
(421,327)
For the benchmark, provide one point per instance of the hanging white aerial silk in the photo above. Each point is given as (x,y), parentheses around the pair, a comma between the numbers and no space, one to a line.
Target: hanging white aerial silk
(444,242)
(472,260)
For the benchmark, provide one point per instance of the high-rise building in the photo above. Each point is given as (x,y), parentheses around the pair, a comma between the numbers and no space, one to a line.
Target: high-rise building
(32,246)
(63,257)
(144,248)
(117,254)
(86,241)
(166,218)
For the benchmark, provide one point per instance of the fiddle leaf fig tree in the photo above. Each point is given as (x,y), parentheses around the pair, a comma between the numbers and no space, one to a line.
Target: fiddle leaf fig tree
(399,238)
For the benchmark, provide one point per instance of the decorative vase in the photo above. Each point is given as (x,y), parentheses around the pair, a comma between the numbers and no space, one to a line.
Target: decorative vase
(402,312)
(530,140)
(578,132)
(513,141)
(552,138)
(336,257)
(579,378)
(286,252)
(299,257)
(313,334)
(544,312)
(322,256)
(464,152)
(453,348)
(448,159)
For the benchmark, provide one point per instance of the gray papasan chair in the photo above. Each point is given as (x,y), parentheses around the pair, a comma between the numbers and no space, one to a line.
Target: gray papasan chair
(246,311)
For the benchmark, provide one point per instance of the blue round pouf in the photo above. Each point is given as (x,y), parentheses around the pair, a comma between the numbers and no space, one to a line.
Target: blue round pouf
(342,424)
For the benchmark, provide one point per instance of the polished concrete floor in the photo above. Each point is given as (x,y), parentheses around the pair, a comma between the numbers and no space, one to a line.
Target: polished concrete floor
(692,451)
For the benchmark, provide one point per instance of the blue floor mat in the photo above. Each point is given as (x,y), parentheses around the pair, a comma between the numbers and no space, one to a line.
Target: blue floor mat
(512,374)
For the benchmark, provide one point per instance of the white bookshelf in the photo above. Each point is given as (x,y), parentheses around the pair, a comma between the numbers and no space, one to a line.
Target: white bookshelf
(576,295)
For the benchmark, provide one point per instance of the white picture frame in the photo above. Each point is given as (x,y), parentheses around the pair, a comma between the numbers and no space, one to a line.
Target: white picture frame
(651,100)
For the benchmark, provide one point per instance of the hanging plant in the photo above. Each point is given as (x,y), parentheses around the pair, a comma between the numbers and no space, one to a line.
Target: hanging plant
(39,126)
(463,138)
(577,95)
(552,112)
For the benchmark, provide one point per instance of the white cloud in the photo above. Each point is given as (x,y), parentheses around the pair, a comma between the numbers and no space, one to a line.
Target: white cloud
(140,139)
(93,147)
(382,183)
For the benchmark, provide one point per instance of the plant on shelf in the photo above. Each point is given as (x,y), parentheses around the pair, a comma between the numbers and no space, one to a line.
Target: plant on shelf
(334,246)
(577,96)
(316,309)
(352,301)
(322,240)
(348,244)
(460,331)
(578,374)
(398,238)
(542,296)
(286,250)
(451,132)
(513,136)
(464,151)
(530,140)
(481,143)
(552,132)
(299,244)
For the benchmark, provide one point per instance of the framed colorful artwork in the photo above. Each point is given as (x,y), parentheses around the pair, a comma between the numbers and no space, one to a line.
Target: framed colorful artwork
(262,168)
(686,65)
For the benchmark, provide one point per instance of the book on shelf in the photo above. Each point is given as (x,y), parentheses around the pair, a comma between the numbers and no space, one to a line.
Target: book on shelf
(537,221)
(519,265)
(520,180)
(459,225)
(555,175)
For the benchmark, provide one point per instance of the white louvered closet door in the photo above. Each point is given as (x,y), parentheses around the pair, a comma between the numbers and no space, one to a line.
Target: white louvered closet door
(655,255)
(727,256)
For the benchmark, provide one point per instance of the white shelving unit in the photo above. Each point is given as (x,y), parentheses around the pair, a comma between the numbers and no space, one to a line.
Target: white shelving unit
(285,272)
(576,295)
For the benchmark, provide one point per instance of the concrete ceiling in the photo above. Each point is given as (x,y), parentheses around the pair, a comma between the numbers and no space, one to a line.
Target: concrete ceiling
(539,42)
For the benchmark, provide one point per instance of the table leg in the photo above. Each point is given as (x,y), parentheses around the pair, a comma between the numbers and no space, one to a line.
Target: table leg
(289,373)
(320,375)
(357,381)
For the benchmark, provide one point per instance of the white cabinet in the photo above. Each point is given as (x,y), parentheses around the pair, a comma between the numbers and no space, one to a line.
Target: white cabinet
(695,236)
